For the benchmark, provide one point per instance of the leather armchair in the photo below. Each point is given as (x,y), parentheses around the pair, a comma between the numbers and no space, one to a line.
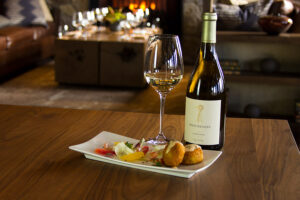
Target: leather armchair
(21,47)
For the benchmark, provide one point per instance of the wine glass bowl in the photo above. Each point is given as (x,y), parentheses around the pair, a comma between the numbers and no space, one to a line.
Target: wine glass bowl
(161,82)
(76,20)
(100,14)
(163,71)
(134,19)
(99,17)
(88,19)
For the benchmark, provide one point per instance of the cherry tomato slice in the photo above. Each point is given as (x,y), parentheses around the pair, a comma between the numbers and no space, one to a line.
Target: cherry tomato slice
(145,149)
(104,152)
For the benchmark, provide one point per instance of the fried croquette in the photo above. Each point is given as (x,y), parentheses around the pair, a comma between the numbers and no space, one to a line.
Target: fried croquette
(193,154)
(173,153)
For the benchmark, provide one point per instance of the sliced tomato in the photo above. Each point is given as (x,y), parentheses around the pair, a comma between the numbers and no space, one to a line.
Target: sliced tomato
(145,149)
(105,152)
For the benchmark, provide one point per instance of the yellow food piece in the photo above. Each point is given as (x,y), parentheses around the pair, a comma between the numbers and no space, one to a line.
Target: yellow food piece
(133,156)
(173,153)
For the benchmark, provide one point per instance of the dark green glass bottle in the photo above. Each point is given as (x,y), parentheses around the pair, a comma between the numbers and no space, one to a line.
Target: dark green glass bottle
(205,113)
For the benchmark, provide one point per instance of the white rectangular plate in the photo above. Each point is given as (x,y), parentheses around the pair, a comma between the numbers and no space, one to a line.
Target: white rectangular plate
(187,171)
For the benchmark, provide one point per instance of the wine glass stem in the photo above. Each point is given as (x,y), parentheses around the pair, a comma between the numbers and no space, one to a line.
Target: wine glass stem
(162,111)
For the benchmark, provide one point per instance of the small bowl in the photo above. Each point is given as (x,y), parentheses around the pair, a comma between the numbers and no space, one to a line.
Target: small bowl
(275,25)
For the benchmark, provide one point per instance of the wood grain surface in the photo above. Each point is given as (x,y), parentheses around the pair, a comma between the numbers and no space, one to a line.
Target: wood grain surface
(260,159)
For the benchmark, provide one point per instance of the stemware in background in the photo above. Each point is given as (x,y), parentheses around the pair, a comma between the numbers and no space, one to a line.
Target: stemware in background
(137,19)
(105,11)
(99,17)
(163,71)
(100,14)
(62,30)
(88,19)
(90,15)
(146,17)
(126,26)
(156,23)
(77,20)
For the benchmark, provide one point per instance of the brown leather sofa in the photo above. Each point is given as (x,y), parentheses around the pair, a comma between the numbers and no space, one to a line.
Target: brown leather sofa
(21,47)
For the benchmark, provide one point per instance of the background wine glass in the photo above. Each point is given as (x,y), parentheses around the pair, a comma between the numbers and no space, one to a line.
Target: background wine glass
(100,14)
(88,19)
(76,20)
(136,19)
(99,17)
(145,17)
(163,71)
(126,26)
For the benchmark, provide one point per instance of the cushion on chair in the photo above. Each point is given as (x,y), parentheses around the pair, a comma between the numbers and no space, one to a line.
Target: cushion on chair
(46,11)
(229,16)
(241,17)
(24,12)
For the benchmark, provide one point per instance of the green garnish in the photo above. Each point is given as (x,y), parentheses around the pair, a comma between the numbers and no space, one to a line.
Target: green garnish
(158,164)
(129,145)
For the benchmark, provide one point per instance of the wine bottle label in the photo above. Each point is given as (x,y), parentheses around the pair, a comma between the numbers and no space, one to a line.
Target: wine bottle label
(202,121)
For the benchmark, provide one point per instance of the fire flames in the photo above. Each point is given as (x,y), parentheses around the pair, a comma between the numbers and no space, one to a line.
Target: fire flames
(142,5)
(153,6)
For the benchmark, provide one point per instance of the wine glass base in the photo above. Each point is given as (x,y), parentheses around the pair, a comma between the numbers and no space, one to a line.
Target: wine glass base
(159,140)
(156,142)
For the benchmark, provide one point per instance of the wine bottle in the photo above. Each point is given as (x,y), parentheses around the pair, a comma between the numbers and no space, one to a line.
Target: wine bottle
(205,112)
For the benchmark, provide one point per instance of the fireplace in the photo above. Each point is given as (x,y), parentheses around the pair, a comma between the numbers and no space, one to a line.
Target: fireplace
(170,11)
(143,4)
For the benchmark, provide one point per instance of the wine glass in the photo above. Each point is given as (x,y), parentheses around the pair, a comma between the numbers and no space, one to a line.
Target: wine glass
(99,17)
(76,20)
(145,17)
(100,14)
(163,71)
(137,18)
(125,24)
(88,18)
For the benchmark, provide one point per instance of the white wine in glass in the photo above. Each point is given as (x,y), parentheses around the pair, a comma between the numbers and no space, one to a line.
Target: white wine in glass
(163,71)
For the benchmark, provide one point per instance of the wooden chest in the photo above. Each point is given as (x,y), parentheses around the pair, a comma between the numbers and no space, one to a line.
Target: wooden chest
(100,62)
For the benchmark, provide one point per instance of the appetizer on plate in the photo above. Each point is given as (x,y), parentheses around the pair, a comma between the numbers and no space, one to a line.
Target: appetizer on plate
(193,154)
(172,154)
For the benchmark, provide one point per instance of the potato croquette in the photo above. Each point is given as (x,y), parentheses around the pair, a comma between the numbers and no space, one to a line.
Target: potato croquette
(193,154)
(173,153)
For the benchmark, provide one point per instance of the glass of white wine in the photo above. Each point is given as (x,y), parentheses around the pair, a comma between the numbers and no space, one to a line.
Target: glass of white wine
(163,71)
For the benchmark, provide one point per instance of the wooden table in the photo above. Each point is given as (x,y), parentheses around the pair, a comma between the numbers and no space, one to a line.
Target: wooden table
(260,159)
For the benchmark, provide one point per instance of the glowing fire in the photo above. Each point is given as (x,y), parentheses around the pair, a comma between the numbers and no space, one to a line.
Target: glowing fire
(152,6)
(142,5)
(133,6)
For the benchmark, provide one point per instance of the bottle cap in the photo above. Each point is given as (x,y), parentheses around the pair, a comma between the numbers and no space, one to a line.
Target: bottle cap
(209,26)
(209,16)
